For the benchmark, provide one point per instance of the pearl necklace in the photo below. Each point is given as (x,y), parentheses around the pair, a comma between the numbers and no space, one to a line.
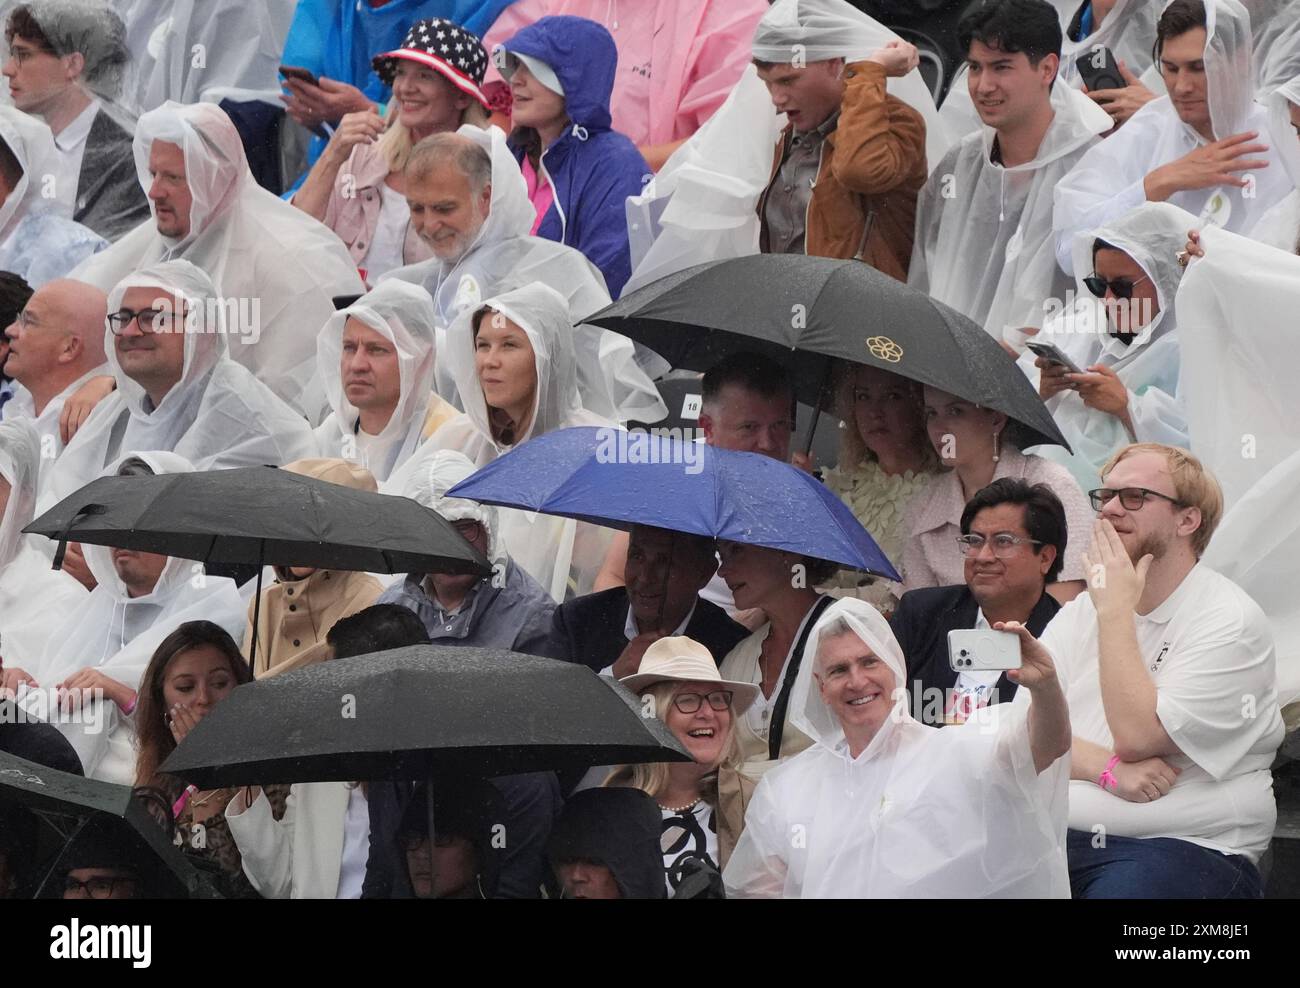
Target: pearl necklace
(680,809)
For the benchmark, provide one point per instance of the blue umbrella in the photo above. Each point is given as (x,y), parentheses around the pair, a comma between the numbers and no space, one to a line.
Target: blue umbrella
(615,478)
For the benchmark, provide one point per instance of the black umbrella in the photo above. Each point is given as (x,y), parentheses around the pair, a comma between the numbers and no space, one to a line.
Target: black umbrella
(70,809)
(421,712)
(260,516)
(803,311)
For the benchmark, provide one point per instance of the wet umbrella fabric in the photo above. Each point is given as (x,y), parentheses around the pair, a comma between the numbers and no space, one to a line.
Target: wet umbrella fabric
(616,478)
(261,516)
(68,807)
(803,311)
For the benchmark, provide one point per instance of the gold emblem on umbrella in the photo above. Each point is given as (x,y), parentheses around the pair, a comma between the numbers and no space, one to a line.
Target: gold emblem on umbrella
(883,348)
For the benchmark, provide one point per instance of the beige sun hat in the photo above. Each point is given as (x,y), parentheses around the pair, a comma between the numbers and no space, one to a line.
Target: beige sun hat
(684,660)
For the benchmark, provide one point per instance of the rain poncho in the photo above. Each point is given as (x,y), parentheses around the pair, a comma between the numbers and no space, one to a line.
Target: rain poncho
(1152,235)
(503,256)
(23,405)
(195,51)
(591,168)
(922,812)
(218,415)
(507,609)
(117,634)
(1280,227)
(38,240)
(1129,31)
(617,827)
(702,204)
(1275,26)
(273,263)
(984,241)
(1237,326)
(678,59)
(559,553)
(336,39)
(403,313)
(1108,181)
(35,601)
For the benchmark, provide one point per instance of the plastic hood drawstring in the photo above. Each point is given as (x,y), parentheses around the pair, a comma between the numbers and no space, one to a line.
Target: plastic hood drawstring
(580,132)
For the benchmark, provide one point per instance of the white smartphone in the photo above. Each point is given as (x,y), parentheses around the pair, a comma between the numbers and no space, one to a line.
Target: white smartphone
(978,649)
(1052,353)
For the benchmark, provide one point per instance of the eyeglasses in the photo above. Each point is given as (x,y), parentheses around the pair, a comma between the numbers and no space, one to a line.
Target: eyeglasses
(1004,544)
(149,320)
(24,55)
(718,700)
(1121,288)
(1131,497)
(98,888)
(466,528)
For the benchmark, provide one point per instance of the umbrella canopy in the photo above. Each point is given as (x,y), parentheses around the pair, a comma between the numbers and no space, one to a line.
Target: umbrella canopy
(619,479)
(261,516)
(64,805)
(419,712)
(803,311)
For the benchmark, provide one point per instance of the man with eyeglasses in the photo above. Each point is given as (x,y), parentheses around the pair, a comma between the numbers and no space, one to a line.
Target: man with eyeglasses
(1013,539)
(1121,334)
(1169,670)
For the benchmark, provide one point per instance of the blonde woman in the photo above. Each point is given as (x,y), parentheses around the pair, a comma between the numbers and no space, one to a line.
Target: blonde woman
(356,187)
(700,708)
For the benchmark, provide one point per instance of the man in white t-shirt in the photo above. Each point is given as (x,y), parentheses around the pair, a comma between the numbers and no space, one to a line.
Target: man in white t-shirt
(1170,670)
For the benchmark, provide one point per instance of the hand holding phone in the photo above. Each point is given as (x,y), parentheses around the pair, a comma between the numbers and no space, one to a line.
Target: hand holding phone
(982,650)
(1052,354)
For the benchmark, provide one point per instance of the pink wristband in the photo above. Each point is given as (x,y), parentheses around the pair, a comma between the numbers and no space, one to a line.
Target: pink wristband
(1107,778)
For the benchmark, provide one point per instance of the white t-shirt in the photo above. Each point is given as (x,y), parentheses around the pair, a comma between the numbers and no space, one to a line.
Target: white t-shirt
(356,845)
(1209,650)
(389,240)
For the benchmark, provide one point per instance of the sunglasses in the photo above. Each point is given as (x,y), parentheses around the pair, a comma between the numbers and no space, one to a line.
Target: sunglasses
(1121,288)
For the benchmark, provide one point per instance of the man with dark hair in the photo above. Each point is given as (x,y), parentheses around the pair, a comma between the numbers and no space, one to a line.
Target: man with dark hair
(609,631)
(376,629)
(1013,537)
(1197,148)
(984,218)
(62,57)
(851,158)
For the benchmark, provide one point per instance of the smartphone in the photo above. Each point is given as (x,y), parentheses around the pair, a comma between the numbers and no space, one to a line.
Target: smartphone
(1052,353)
(301,74)
(1099,70)
(977,649)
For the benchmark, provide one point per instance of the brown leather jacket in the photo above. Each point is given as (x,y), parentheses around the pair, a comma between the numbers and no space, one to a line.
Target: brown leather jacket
(872,167)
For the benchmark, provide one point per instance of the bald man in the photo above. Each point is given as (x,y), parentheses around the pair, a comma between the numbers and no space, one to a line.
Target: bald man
(56,344)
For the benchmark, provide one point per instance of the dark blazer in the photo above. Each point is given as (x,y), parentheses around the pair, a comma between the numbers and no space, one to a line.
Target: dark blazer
(590,630)
(922,622)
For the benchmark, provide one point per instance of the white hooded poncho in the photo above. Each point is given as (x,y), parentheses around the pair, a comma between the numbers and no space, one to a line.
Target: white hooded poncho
(1108,181)
(1237,323)
(923,812)
(273,264)
(561,554)
(35,600)
(218,414)
(1129,31)
(1280,226)
(403,314)
(1152,235)
(117,634)
(614,378)
(702,205)
(38,239)
(984,241)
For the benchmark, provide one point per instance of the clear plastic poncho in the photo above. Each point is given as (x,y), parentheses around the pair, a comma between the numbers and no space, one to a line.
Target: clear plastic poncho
(195,51)
(443,471)
(614,377)
(1152,235)
(117,634)
(702,205)
(35,600)
(923,812)
(276,266)
(1108,181)
(1129,31)
(218,415)
(38,239)
(403,314)
(97,32)
(1280,227)
(1275,26)
(1237,312)
(561,554)
(984,242)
